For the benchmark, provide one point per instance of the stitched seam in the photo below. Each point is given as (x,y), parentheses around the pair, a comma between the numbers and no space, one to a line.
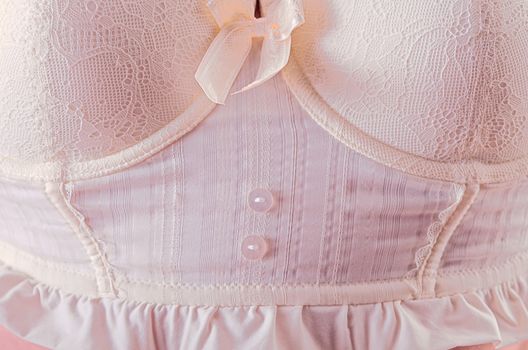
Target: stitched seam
(314,104)
(441,273)
(509,281)
(514,279)
(485,289)
(428,271)
(191,285)
(102,270)
(173,131)
(53,266)
(433,231)
(50,289)
(287,286)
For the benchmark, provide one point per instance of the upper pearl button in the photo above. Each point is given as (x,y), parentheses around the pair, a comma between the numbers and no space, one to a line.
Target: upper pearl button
(260,200)
(254,247)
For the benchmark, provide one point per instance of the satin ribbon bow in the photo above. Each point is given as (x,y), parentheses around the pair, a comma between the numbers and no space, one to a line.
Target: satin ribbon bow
(228,51)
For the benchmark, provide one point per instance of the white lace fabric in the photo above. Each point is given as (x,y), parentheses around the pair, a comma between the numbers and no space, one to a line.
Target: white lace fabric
(84,80)
(434,89)
(394,143)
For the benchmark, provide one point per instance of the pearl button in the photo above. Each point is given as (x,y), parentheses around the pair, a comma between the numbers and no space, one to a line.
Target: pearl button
(254,247)
(260,200)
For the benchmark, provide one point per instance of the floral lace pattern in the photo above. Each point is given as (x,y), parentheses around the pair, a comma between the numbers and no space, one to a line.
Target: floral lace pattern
(444,80)
(436,89)
(82,79)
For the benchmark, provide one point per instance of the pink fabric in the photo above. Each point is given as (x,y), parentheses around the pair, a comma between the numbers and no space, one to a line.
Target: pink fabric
(332,203)
(386,234)
(10,341)
(165,221)
(61,320)
(523,345)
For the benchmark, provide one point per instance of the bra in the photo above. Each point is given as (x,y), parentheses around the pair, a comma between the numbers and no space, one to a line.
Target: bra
(297,174)
(434,89)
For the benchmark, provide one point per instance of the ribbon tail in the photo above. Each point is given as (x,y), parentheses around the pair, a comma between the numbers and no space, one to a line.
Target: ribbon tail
(273,58)
(223,60)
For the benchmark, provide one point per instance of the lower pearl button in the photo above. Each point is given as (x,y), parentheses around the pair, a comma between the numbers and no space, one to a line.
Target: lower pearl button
(254,247)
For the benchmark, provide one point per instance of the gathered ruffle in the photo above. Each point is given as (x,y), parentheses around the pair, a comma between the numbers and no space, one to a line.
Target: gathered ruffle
(58,320)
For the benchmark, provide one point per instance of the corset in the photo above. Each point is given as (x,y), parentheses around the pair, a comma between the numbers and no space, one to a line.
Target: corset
(196,175)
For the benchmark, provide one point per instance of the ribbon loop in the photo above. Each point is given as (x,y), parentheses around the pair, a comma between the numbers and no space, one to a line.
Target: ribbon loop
(228,51)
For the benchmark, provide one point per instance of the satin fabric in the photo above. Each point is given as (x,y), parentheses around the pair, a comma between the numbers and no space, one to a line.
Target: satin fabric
(225,56)
(359,199)
(15,343)
(366,224)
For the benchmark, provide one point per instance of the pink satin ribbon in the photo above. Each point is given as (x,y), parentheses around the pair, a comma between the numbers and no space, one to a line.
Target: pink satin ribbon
(228,51)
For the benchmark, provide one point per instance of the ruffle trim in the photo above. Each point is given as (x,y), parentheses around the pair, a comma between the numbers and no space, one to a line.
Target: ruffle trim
(58,320)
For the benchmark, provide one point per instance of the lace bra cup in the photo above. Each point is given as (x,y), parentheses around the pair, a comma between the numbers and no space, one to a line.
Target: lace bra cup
(91,86)
(435,89)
